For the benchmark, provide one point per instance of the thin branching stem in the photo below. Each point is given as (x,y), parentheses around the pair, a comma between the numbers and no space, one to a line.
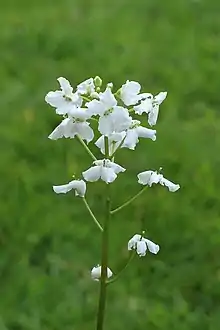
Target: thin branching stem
(92,214)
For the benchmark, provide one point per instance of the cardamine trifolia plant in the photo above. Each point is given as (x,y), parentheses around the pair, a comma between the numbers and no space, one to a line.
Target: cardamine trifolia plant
(112,114)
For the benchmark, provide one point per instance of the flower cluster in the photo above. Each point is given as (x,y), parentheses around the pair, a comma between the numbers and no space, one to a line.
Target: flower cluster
(90,105)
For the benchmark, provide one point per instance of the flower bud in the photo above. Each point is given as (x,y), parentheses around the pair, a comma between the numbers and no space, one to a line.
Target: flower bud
(97,81)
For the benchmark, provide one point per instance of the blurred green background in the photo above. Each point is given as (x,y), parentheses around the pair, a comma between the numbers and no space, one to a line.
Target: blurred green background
(48,242)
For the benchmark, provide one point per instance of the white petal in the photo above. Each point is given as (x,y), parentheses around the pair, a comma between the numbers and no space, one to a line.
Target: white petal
(84,131)
(144,106)
(78,185)
(159,98)
(55,99)
(129,92)
(170,185)
(86,87)
(153,115)
(108,99)
(106,126)
(152,247)
(121,119)
(79,113)
(65,86)
(141,248)
(95,107)
(149,177)
(116,168)
(131,139)
(62,130)
(133,241)
(92,174)
(108,175)
(146,133)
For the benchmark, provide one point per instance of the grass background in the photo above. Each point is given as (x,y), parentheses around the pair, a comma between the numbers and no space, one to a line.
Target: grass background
(48,243)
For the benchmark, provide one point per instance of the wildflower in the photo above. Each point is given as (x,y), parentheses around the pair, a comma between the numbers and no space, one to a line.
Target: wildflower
(150,105)
(141,245)
(75,124)
(96,273)
(134,132)
(63,100)
(104,170)
(78,185)
(150,177)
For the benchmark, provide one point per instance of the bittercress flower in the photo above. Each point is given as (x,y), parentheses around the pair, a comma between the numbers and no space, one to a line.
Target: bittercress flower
(78,185)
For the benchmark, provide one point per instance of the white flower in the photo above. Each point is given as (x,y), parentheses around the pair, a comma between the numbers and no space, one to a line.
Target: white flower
(114,141)
(150,177)
(86,87)
(134,132)
(65,99)
(130,92)
(141,245)
(78,185)
(106,101)
(114,120)
(96,273)
(104,169)
(150,105)
(70,127)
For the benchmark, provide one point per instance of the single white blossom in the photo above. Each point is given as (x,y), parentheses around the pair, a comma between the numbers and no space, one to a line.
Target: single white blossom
(150,105)
(104,169)
(63,100)
(150,177)
(141,245)
(134,132)
(86,87)
(78,185)
(70,127)
(96,273)
(114,141)
(130,92)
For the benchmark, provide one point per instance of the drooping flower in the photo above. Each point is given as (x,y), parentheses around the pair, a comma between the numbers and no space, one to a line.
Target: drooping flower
(104,169)
(114,141)
(150,177)
(78,185)
(86,87)
(150,105)
(134,132)
(75,124)
(142,245)
(63,100)
(130,92)
(96,273)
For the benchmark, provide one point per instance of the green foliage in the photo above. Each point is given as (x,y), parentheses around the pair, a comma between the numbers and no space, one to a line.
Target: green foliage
(48,242)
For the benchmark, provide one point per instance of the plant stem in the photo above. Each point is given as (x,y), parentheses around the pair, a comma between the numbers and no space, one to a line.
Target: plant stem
(104,264)
(86,147)
(92,214)
(129,201)
(116,277)
(104,261)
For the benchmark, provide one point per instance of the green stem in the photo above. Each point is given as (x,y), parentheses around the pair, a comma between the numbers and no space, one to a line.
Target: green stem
(104,264)
(86,147)
(121,143)
(104,261)
(85,98)
(116,277)
(92,214)
(129,201)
